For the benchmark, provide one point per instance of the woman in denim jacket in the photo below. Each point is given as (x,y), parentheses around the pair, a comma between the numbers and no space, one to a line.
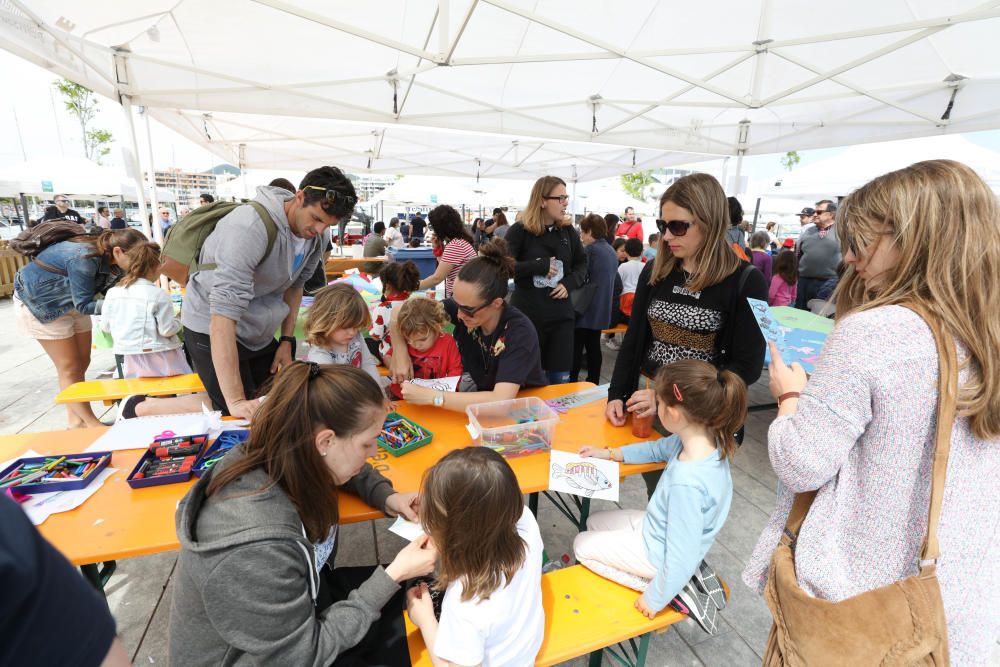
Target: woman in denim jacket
(55,295)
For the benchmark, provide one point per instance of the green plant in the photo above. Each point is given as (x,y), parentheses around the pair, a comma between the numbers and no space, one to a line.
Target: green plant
(790,159)
(635,184)
(80,101)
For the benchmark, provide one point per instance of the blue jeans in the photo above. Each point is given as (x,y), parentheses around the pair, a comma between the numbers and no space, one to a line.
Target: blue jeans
(807,289)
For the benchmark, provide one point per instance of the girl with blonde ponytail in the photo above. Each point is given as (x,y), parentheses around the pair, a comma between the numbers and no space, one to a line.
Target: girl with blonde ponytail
(659,550)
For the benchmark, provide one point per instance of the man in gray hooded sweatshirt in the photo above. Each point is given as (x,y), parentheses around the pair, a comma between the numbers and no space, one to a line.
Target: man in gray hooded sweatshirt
(232,312)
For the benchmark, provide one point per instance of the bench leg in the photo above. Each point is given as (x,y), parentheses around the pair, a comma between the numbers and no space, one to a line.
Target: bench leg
(596,658)
(574,508)
(533,503)
(628,655)
(98,577)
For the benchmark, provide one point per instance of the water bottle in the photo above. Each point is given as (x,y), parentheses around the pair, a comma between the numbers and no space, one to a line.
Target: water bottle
(554,565)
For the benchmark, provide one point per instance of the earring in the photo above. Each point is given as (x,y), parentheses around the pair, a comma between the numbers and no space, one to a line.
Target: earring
(326,453)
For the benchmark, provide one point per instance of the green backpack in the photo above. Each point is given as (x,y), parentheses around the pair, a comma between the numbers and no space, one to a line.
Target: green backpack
(182,247)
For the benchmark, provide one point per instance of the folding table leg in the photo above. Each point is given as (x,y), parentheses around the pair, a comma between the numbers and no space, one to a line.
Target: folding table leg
(98,577)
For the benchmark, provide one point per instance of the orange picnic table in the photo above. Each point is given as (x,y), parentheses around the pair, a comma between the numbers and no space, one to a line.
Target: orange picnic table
(341,264)
(121,522)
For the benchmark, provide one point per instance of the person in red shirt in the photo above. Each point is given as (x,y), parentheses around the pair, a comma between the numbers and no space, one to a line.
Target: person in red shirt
(434,353)
(631,227)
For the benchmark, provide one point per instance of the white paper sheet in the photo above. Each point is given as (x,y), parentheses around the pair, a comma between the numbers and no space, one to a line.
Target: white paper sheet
(43,505)
(449,383)
(139,432)
(580,476)
(408,530)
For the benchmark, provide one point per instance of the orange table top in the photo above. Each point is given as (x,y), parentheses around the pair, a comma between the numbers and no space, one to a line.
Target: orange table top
(121,522)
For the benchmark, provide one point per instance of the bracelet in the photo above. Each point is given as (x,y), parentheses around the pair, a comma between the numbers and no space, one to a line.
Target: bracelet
(788,394)
(288,339)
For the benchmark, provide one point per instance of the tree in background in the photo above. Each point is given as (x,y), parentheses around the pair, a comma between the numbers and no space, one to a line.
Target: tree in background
(80,102)
(790,159)
(635,184)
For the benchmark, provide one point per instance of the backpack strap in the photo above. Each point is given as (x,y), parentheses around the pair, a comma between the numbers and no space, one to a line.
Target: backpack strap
(269,227)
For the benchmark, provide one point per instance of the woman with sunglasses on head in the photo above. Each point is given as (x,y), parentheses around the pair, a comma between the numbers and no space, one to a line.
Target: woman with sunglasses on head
(497,341)
(255,582)
(691,302)
(916,307)
(550,263)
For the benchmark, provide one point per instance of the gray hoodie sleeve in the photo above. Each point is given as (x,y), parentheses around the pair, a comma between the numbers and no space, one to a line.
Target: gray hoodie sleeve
(240,241)
(278,624)
(370,486)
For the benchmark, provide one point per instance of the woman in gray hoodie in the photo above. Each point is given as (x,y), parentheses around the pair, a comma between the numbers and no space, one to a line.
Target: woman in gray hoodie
(258,528)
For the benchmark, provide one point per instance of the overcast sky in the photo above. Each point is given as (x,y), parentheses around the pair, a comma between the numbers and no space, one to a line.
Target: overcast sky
(32,110)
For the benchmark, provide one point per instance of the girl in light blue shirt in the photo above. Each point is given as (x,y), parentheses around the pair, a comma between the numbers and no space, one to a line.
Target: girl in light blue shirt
(658,551)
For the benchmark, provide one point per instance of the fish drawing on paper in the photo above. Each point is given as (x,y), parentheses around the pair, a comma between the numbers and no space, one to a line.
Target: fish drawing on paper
(583,476)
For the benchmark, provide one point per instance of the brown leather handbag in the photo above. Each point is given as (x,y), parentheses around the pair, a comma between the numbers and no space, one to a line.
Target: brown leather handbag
(899,624)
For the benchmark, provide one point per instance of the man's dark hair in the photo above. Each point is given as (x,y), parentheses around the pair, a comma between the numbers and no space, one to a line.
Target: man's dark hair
(830,206)
(319,181)
(735,211)
(379,227)
(282,183)
(207,197)
(633,247)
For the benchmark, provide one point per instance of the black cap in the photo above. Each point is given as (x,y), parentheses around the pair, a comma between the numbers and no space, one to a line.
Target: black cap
(807,211)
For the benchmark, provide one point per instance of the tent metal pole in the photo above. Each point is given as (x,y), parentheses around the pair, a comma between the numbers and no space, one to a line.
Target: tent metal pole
(135,168)
(756,214)
(151,179)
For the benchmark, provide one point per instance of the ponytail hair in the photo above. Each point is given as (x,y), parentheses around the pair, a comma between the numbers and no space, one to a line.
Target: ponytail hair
(490,271)
(716,399)
(304,398)
(109,239)
(402,276)
(144,258)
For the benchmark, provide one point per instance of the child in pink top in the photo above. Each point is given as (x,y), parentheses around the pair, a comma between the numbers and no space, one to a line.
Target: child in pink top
(784,279)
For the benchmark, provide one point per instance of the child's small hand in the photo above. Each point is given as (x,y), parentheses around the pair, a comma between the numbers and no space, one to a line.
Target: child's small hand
(594,452)
(419,605)
(640,604)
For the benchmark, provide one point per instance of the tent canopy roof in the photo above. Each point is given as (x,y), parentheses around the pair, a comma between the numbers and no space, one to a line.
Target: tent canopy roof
(773,76)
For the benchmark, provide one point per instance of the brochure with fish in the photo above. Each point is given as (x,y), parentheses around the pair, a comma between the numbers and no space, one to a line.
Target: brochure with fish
(794,344)
(580,476)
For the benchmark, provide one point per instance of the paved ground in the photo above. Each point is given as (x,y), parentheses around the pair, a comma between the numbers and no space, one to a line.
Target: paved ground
(139,593)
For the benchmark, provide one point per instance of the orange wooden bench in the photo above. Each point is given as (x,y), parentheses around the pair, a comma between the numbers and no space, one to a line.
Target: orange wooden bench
(110,391)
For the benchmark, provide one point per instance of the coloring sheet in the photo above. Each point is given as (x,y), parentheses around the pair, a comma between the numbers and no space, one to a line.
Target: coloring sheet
(139,432)
(449,383)
(587,477)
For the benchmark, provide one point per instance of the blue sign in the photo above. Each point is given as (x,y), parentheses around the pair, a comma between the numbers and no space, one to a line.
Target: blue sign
(434,199)
(46,186)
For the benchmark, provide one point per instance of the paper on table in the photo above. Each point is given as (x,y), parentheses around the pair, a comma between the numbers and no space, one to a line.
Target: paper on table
(43,505)
(139,432)
(406,529)
(449,383)
(588,477)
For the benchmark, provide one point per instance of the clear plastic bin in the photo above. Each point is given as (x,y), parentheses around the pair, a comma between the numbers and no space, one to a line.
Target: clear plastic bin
(515,427)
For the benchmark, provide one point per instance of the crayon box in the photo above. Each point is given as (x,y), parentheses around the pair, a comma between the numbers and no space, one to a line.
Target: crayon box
(159,466)
(37,480)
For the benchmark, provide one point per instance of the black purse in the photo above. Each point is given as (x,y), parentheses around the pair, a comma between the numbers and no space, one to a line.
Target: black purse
(583,296)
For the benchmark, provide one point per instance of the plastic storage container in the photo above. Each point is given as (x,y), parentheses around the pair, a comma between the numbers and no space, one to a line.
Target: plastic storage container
(423,257)
(69,462)
(513,428)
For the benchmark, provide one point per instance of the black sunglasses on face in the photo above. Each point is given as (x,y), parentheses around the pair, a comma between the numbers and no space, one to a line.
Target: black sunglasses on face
(334,196)
(471,310)
(676,227)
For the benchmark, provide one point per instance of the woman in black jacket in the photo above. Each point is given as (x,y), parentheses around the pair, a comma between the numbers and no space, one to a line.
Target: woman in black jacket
(550,264)
(691,302)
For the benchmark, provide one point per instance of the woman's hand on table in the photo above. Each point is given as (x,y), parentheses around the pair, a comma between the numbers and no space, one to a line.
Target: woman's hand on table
(414,560)
(615,412)
(406,505)
(417,395)
(784,379)
(642,403)
(559,292)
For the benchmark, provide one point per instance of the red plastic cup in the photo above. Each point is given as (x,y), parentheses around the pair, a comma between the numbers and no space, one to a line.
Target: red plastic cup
(642,427)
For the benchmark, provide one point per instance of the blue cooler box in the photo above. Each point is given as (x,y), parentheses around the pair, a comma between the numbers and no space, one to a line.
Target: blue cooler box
(423,257)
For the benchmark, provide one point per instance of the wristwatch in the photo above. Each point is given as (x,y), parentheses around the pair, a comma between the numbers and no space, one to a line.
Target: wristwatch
(288,339)
(439,399)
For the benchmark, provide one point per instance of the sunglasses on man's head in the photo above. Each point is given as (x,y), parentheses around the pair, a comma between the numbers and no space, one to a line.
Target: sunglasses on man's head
(334,196)
(676,227)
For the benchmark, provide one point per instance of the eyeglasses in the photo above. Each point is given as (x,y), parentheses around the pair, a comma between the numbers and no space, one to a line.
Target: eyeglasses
(676,227)
(472,310)
(562,198)
(334,196)
(816,214)
(852,243)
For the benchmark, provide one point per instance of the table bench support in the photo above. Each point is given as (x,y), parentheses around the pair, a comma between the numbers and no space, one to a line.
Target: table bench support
(99,577)
(582,507)
(629,655)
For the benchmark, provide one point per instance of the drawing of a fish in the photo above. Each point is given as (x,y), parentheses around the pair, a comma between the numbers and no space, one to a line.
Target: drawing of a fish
(583,476)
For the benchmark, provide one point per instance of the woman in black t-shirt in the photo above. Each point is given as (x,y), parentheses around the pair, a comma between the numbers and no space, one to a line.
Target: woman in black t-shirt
(497,342)
(543,236)
(691,302)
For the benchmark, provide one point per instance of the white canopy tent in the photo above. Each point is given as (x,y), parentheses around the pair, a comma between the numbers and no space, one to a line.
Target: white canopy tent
(581,88)
(842,174)
(75,177)
(245,185)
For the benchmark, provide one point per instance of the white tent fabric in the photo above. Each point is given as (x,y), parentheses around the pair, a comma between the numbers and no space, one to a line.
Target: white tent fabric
(245,185)
(575,77)
(73,176)
(842,174)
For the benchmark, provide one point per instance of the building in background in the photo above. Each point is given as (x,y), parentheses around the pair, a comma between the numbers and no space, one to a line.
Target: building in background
(369,185)
(188,186)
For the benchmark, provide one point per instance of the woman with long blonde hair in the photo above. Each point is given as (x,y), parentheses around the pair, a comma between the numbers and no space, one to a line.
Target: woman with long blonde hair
(861,431)
(691,301)
(550,264)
